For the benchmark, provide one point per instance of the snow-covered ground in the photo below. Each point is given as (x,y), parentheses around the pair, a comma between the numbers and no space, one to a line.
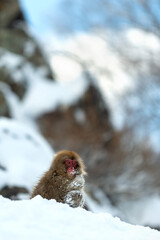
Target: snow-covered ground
(46,219)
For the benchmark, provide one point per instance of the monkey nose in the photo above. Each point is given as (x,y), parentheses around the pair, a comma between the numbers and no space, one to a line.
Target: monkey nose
(71,171)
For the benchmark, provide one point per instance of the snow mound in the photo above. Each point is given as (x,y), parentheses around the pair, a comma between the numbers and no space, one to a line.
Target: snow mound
(24,154)
(42,219)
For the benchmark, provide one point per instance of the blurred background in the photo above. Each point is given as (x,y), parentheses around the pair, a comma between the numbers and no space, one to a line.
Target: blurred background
(84,76)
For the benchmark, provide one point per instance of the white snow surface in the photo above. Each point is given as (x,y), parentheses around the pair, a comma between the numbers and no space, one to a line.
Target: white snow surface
(46,219)
(44,96)
(24,154)
(143,40)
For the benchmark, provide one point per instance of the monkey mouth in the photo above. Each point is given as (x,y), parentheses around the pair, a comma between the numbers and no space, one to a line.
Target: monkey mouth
(71,172)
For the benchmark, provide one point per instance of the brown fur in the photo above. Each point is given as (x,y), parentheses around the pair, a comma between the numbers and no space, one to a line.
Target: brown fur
(56,184)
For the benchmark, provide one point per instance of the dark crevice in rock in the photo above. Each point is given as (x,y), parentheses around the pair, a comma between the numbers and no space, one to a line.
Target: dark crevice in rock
(12,192)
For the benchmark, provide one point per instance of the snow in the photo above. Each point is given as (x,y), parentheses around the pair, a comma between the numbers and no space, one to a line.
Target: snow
(71,69)
(24,154)
(76,42)
(44,96)
(71,56)
(143,211)
(29,49)
(11,60)
(100,203)
(80,116)
(46,219)
(141,39)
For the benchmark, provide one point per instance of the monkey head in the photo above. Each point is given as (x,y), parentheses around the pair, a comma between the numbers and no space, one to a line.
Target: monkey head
(67,164)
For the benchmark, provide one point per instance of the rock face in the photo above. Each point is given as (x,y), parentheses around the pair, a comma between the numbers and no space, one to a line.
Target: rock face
(4,108)
(79,127)
(18,52)
(16,43)
(12,192)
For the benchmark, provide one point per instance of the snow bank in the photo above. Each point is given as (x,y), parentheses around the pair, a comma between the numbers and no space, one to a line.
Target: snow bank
(25,155)
(42,219)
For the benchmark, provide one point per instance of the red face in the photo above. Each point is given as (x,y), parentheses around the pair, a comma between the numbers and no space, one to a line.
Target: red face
(71,166)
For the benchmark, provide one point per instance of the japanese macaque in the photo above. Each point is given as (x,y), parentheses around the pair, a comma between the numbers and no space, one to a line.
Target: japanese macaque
(64,181)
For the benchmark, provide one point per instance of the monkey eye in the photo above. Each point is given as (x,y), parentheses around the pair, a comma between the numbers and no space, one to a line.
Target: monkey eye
(74,163)
(70,163)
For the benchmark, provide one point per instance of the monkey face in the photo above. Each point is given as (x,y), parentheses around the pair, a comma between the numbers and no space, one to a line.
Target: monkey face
(71,167)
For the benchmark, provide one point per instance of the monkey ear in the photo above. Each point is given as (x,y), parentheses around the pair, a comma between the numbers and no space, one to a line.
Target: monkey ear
(84,172)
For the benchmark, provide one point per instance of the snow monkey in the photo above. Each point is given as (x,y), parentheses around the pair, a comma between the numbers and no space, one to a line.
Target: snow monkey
(64,181)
